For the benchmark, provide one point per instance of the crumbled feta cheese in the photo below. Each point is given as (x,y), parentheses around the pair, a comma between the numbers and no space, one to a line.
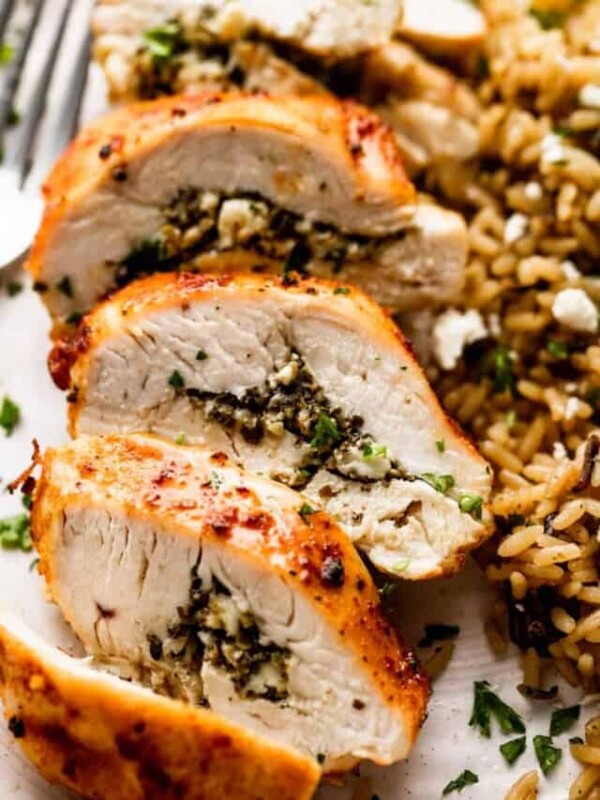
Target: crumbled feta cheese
(452,331)
(533,190)
(559,451)
(570,271)
(574,309)
(553,150)
(589,95)
(571,387)
(515,228)
(239,220)
(572,407)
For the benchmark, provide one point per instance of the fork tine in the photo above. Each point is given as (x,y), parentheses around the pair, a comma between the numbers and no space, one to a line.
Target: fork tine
(19,158)
(14,69)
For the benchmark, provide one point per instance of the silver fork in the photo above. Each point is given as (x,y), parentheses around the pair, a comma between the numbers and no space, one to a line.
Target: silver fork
(46,55)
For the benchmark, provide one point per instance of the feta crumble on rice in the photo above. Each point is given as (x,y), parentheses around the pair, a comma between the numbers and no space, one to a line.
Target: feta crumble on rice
(589,95)
(454,330)
(559,451)
(571,408)
(553,150)
(515,228)
(570,271)
(574,309)
(533,190)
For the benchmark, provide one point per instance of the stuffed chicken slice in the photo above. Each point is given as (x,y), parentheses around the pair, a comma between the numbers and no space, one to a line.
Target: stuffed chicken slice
(106,738)
(228,591)
(265,184)
(304,381)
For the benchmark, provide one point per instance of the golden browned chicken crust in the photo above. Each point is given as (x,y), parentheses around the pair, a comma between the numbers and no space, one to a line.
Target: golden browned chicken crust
(109,740)
(145,475)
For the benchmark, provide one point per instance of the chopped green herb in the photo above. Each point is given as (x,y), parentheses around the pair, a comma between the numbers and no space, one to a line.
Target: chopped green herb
(548,18)
(511,418)
(65,286)
(562,130)
(471,504)
(6,53)
(14,533)
(341,290)
(513,749)
(401,566)
(487,704)
(558,349)
(387,589)
(441,483)
(176,380)
(34,564)
(438,632)
(441,445)
(548,756)
(563,718)
(10,415)
(201,355)
(306,511)
(163,41)
(13,288)
(180,438)
(498,364)
(466,778)
(374,451)
(27,501)
(326,432)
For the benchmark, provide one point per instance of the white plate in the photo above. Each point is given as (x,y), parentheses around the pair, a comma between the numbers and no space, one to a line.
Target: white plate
(447,745)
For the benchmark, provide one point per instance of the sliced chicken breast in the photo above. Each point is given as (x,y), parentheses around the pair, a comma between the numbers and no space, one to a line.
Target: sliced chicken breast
(330,28)
(307,382)
(312,185)
(106,738)
(226,590)
(443,26)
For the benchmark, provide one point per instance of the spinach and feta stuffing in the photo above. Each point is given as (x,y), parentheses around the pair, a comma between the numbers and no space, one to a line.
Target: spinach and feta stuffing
(197,222)
(215,629)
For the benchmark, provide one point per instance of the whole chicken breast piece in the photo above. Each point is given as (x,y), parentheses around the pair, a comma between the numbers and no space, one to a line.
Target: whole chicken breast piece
(329,28)
(225,589)
(103,737)
(305,381)
(280,183)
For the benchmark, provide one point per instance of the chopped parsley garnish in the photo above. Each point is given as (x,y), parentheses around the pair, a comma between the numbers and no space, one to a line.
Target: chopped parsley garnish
(341,290)
(13,288)
(27,501)
(306,511)
(163,41)
(466,778)
(487,704)
(513,749)
(180,438)
(201,355)
(374,451)
(511,418)
(438,632)
(559,350)
(14,533)
(498,364)
(387,590)
(441,483)
(440,445)
(326,432)
(548,756)
(10,415)
(471,504)
(563,718)
(6,53)
(548,18)
(65,286)
(176,380)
